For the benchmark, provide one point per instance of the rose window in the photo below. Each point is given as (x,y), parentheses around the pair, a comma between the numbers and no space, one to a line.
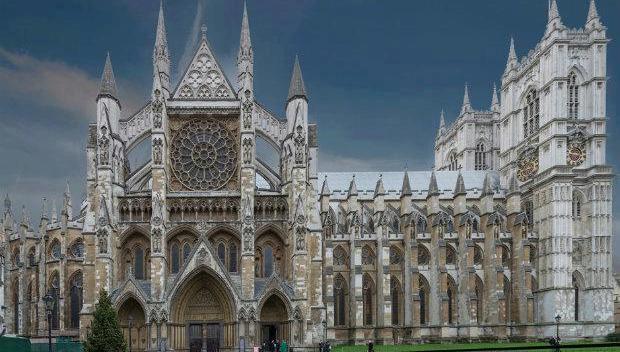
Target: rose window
(203,155)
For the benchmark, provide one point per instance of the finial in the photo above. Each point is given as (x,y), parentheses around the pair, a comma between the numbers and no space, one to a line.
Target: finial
(203,31)
(325,189)
(433,190)
(466,104)
(495,99)
(406,188)
(7,202)
(593,19)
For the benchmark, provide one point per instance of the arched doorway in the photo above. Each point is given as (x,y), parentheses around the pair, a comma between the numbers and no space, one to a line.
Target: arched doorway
(274,321)
(131,313)
(202,316)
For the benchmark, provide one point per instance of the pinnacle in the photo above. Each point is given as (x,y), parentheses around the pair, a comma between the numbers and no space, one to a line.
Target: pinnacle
(297,89)
(108,83)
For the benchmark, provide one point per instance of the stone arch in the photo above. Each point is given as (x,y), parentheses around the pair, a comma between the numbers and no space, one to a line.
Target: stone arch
(227,242)
(451,292)
(579,285)
(341,297)
(132,231)
(341,256)
(74,299)
(275,316)
(424,297)
(396,295)
(177,241)
(202,302)
(271,252)
(369,293)
(132,316)
(479,296)
(579,70)
(424,255)
(134,250)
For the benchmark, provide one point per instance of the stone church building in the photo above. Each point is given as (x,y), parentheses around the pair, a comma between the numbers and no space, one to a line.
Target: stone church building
(209,245)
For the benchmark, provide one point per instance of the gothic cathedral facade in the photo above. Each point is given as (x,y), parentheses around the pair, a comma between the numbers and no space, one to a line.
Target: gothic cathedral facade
(208,246)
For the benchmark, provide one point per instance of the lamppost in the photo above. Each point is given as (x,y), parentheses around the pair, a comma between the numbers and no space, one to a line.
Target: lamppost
(49,308)
(2,327)
(557,332)
(324,322)
(130,320)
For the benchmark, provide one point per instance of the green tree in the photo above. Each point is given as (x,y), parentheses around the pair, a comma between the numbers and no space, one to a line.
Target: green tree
(105,334)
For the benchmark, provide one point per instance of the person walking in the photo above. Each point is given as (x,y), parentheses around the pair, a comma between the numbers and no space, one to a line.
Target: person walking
(283,346)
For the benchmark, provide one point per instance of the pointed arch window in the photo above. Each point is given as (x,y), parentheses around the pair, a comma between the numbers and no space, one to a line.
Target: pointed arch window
(77,249)
(480,157)
(138,269)
(32,257)
(395,293)
(531,113)
(450,305)
(55,292)
(232,264)
(576,297)
(368,293)
(424,256)
(76,300)
(340,256)
(15,303)
(477,255)
(577,200)
(340,293)
(221,253)
(186,251)
(174,258)
(424,292)
(268,261)
(453,163)
(54,252)
(573,96)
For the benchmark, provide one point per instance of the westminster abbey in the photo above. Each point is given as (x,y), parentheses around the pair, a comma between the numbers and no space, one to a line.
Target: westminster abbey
(208,245)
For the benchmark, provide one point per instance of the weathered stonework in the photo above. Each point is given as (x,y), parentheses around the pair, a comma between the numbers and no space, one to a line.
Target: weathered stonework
(209,243)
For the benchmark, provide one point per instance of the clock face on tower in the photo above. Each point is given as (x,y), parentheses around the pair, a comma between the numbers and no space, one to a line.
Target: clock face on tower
(575,155)
(203,155)
(527,165)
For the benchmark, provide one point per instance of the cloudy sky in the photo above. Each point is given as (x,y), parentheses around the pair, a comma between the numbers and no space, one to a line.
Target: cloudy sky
(377,72)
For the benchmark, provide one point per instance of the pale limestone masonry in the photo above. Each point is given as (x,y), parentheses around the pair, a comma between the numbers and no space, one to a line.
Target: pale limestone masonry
(209,244)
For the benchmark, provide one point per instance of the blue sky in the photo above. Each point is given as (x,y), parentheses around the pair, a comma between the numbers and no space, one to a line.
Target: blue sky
(377,72)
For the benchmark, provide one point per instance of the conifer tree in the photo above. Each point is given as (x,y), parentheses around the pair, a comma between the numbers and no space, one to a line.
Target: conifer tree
(105,334)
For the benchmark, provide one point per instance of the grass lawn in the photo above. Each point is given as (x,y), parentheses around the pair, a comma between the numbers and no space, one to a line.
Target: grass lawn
(458,346)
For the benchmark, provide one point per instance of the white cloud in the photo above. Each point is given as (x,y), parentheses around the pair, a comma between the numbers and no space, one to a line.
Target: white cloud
(53,84)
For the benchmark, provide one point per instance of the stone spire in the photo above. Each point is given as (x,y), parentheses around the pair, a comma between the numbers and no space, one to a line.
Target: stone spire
(297,89)
(245,56)
(108,83)
(325,188)
(593,20)
(379,189)
(406,188)
(466,104)
(67,208)
(442,124)
(459,188)
(245,43)
(433,190)
(494,100)
(554,21)
(161,56)
(352,187)
(512,57)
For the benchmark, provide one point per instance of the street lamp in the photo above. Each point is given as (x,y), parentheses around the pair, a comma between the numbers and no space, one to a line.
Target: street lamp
(49,308)
(130,320)
(324,322)
(557,327)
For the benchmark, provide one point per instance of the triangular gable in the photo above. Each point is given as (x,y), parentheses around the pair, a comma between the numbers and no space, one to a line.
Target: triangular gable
(204,78)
